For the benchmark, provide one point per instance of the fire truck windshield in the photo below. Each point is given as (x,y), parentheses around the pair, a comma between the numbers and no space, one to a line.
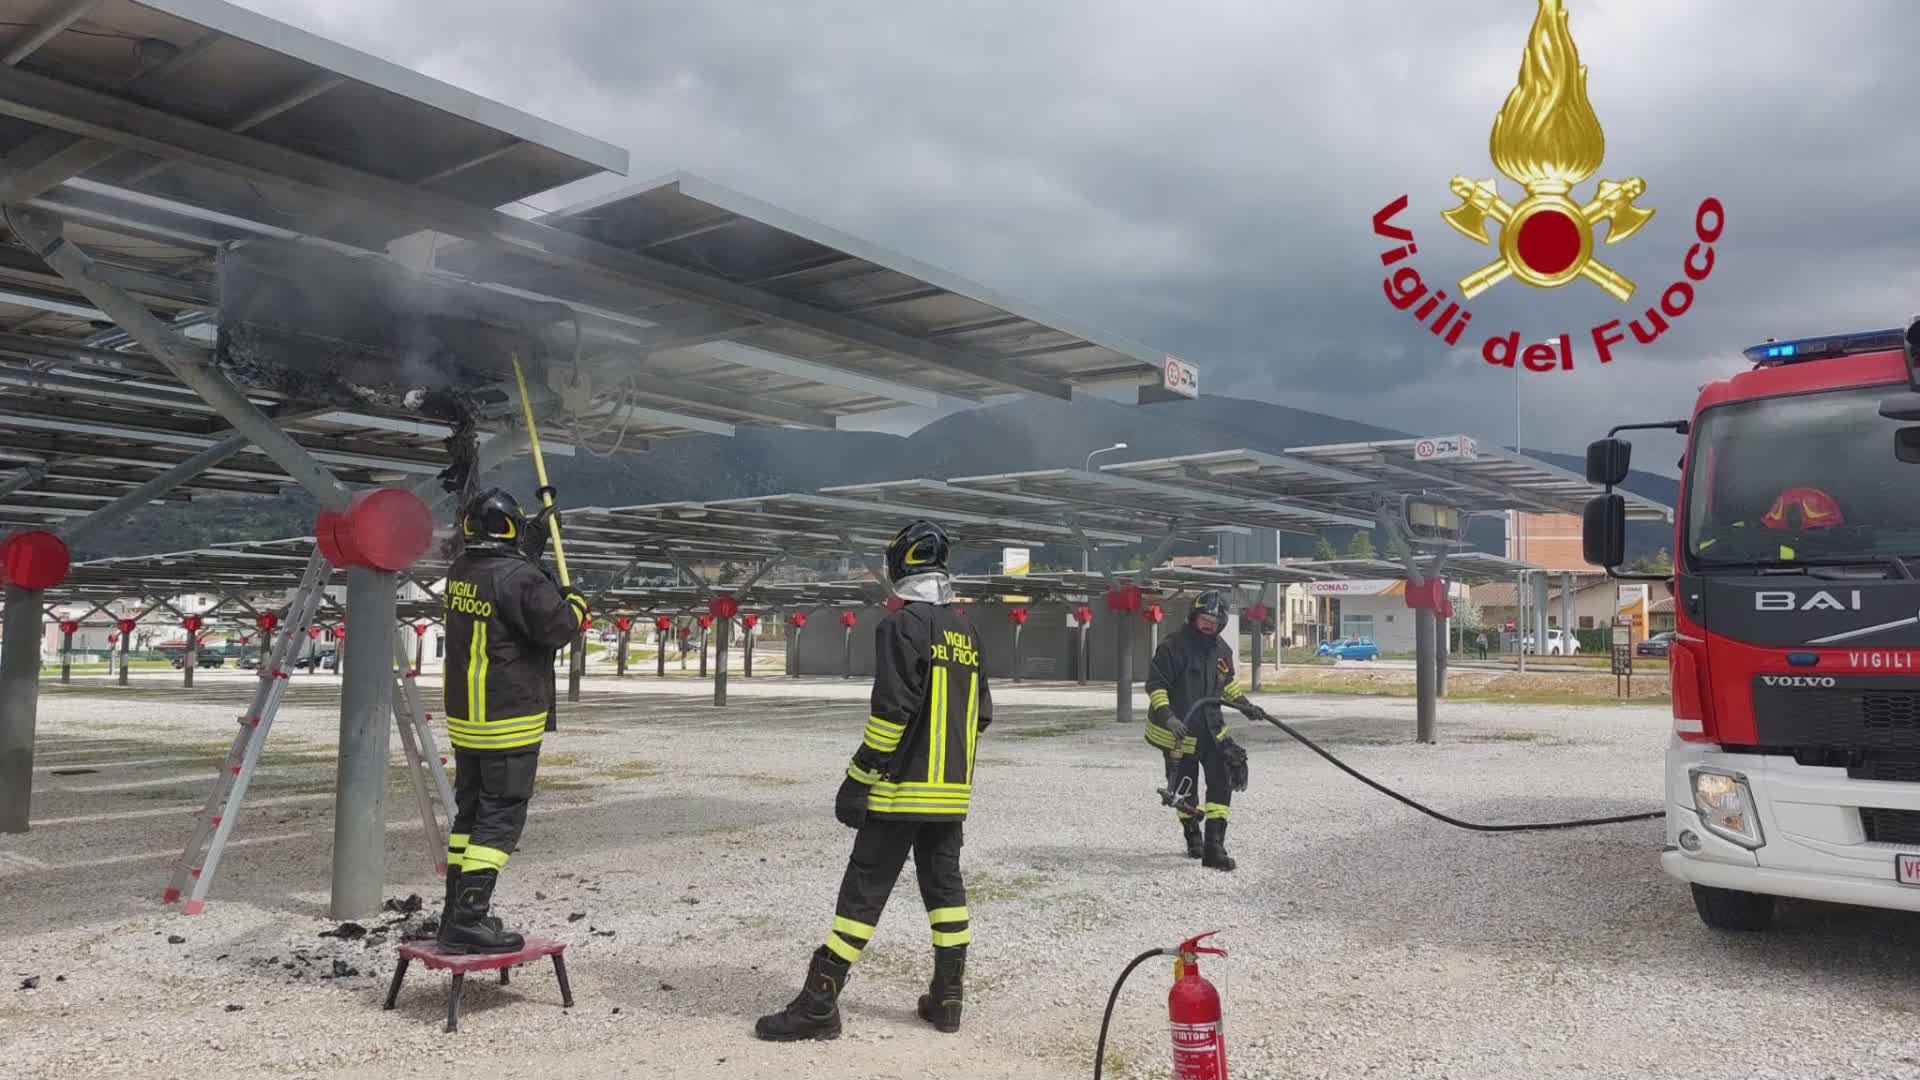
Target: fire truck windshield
(1799,480)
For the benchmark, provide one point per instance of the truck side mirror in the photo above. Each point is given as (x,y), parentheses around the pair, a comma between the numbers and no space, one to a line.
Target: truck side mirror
(1607,461)
(1603,531)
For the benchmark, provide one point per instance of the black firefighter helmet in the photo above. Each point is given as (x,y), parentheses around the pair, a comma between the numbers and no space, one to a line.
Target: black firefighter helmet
(920,548)
(493,517)
(1211,603)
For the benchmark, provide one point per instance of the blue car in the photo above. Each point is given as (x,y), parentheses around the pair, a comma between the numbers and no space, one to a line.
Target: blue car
(1350,649)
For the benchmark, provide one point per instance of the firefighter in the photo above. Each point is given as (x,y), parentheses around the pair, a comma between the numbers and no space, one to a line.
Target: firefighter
(1191,665)
(907,789)
(506,619)
(1816,510)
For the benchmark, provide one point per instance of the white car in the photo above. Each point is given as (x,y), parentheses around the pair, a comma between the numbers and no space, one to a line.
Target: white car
(1559,643)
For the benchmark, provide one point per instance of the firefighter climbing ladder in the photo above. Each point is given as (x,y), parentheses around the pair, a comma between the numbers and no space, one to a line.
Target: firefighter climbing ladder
(213,825)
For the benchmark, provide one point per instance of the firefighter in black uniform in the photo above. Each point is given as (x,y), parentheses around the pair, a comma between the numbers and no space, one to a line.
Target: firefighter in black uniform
(906,790)
(506,618)
(1190,665)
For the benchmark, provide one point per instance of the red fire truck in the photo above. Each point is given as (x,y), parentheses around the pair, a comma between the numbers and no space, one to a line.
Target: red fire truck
(1794,764)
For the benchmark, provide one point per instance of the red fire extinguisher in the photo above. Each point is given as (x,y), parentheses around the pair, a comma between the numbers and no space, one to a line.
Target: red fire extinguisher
(1193,1006)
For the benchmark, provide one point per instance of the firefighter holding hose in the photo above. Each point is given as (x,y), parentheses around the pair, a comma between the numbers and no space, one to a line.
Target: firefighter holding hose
(1191,666)
(907,790)
(506,619)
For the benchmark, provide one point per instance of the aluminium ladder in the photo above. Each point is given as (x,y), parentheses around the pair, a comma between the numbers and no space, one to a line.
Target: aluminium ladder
(213,825)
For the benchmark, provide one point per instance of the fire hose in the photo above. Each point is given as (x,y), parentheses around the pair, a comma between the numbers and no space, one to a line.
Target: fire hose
(1255,712)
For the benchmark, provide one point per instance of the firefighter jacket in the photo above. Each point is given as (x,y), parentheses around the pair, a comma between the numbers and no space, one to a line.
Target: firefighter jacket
(505,621)
(930,704)
(1188,667)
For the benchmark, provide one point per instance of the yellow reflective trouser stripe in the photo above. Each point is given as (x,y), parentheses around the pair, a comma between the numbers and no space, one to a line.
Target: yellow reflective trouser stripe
(503,742)
(946,914)
(1158,698)
(456,848)
(481,857)
(973,721)
(848,938)
(1217,811)
(944,939)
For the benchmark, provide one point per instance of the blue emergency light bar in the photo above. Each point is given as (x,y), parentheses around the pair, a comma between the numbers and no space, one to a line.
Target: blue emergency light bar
(1802,350)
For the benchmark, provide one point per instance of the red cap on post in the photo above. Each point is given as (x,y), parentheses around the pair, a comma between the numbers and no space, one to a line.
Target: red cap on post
(664,622)
(1124,598)
(749,621)
(267,621)
(848,618)
(1155,613)
(623,623)
(798,618)
(313,633)
(68,626)
(723,607)
(113,638)
(1018,615)
(35,560)
(126,625)
(192,623)
(1083,615)
(706,621)
(1258,613)
(419,629)
(387,530)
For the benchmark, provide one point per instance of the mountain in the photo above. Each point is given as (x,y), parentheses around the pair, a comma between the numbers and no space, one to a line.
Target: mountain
(1025,434)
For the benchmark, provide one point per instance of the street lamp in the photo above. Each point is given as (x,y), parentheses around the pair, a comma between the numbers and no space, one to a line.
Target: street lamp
(1089,468)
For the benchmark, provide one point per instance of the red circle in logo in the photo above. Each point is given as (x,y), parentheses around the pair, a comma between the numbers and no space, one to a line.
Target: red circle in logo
(1549,241)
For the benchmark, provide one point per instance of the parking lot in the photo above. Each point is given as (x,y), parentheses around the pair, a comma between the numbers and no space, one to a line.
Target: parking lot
(689,856)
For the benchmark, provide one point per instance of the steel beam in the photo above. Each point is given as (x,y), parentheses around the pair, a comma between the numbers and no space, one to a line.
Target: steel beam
(42,232)
(83,529)
(686,392)
(19,705)
(81,111)
(366,726)
(73,12)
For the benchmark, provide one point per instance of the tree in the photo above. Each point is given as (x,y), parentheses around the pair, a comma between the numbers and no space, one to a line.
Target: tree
(1323,548)
(1361,546)
(1658,563)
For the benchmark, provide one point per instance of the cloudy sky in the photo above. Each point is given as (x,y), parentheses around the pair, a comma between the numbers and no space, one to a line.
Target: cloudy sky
(1201,176)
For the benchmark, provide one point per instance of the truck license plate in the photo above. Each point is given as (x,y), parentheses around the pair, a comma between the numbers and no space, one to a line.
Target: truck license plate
(1907,869)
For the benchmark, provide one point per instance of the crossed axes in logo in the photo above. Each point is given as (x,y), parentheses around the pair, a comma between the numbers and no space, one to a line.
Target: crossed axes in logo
(1612,203)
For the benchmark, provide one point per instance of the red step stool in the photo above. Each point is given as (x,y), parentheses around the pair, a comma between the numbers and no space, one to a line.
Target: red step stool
(429,954)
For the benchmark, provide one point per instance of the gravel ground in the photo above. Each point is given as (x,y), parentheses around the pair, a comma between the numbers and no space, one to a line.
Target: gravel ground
(698,850)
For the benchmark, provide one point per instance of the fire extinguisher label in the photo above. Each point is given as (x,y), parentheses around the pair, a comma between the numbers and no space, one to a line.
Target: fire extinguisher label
(1198,1053)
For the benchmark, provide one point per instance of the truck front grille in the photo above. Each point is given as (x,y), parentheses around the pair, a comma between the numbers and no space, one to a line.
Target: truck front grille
(1875,716)
(1891,826)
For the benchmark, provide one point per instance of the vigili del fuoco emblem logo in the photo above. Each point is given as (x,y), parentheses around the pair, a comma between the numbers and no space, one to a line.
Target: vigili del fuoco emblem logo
(1547,139)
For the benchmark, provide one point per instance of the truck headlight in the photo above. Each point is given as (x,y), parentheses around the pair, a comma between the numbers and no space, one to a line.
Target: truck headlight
(1725,803)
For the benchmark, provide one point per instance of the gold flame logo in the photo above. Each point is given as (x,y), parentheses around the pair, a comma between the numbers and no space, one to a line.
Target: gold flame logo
(1547,139)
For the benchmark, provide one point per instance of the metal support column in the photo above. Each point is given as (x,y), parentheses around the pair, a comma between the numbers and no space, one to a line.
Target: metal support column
(660,652)
(1522,591)
(19,706)
(746,647)
(720,660)
(1424,677)
(1566,612)
(190,658)
(366,726)
(66,656)
(576,664)
(620,659)
(1123,669)
(846,662)
(1258,640)
(1440,658)
(1540,614)
(126,648)
(1083,663)
(793,650)
(419,653)
(704,637)
(1018,667)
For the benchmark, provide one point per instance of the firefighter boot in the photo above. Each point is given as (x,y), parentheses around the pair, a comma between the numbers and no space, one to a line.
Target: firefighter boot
(1215,855)
(814,1013)
(1191,829)
(940,1005)
(453,896)
(468,930)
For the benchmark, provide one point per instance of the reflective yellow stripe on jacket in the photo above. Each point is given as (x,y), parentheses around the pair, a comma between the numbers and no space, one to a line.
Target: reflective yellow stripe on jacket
(508,733)
(935,795)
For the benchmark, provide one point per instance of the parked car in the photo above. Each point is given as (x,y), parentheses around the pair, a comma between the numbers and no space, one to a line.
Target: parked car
(1350,649)
(1655,645)
(1559,643)
(204,660)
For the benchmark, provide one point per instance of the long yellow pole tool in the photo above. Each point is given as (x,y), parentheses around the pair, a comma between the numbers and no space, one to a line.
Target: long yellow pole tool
(540,472)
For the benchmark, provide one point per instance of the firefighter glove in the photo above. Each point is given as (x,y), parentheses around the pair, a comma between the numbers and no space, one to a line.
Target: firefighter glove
(534,543)
(850,805)
(1234,757)
(1179,732)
